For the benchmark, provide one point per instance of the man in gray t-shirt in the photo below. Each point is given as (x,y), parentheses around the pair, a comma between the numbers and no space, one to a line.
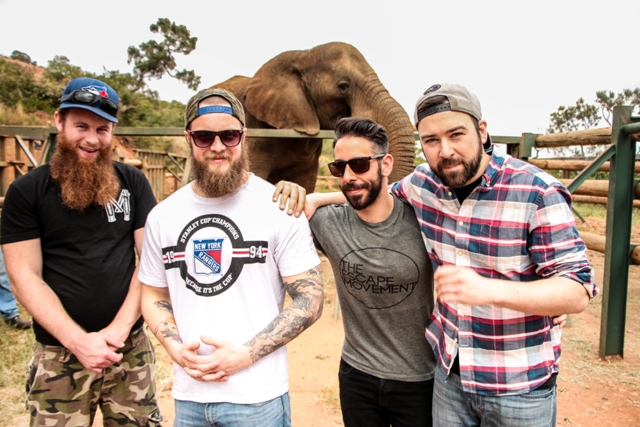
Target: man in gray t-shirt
(384,281)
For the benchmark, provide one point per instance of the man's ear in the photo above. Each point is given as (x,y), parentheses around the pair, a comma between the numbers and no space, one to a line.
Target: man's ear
(387,165)
(482,125)
(58,120)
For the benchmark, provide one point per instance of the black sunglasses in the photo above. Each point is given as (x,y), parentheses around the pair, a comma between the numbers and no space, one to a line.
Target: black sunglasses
(357,165)
(90,98)
(204,138)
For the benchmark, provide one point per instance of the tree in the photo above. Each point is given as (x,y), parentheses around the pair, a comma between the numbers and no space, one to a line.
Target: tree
(21,56)
(587,116)
(608,100)
(61,70)
(153,59)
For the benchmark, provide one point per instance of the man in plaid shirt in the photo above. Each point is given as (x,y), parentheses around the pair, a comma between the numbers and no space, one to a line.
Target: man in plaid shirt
(508,259)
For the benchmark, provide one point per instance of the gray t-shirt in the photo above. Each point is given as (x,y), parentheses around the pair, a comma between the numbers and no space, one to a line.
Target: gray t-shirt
(384,281)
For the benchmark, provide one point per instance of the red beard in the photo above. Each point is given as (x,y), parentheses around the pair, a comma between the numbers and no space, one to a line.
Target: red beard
(83,183)
(218,185)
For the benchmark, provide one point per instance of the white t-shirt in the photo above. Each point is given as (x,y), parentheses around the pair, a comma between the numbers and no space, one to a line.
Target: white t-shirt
(223,260)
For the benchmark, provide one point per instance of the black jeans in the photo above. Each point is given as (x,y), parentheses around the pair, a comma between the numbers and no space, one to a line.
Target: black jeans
(369,401)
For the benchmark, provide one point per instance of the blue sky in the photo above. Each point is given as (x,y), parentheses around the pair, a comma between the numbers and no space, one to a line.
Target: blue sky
(522,59)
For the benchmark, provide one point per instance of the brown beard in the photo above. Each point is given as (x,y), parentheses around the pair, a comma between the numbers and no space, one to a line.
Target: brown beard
(83,183)
(470,169)
(218,185)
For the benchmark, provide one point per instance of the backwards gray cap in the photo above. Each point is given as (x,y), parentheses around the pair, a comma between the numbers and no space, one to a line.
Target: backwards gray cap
(460,99)
(192,111)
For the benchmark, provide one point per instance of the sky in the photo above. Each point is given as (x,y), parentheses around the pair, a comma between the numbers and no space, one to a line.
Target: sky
(522,59)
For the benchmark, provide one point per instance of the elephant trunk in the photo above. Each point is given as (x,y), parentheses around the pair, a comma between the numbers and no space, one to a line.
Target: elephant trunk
(378,105)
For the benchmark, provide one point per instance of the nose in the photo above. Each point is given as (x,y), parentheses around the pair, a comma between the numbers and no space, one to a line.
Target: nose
(446,148)
(217,144)
(348,175)
(92,137)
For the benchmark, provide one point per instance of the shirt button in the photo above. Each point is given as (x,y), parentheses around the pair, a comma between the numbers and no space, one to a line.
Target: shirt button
(459,253)
(460,223)
(449,193)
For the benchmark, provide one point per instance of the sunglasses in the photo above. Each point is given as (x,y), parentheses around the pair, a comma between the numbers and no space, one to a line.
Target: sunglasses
(88,98)
(358,165)
(204,138)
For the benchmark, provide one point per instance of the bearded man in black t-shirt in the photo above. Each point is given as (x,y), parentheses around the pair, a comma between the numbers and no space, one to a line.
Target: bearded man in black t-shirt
(70,230)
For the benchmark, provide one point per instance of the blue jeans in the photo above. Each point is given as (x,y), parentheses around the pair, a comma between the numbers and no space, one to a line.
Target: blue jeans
(369,401)
(272,413)
(454,407)
(8,306)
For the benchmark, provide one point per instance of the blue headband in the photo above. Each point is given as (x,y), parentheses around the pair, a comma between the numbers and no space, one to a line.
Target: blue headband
(215,109)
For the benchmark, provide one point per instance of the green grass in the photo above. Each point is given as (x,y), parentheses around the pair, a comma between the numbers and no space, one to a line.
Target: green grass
(600,212)
(16,348)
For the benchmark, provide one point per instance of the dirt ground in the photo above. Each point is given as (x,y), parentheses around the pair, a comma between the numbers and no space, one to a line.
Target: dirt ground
(591,392)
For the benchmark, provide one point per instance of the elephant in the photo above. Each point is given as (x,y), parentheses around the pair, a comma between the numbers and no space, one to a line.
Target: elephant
(309,90)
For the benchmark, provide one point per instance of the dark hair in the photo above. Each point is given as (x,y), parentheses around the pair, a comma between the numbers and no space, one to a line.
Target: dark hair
(441,99)
(364,128)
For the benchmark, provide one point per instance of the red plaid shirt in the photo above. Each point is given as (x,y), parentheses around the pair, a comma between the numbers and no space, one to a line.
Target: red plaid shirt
(516,225)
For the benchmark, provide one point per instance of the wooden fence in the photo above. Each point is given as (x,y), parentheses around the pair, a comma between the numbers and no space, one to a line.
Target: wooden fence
(620,190)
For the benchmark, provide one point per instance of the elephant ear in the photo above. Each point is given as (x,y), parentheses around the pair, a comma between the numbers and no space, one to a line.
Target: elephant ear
(276,95)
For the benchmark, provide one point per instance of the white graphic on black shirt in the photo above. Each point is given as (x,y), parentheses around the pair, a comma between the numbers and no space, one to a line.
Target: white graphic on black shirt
(120,206)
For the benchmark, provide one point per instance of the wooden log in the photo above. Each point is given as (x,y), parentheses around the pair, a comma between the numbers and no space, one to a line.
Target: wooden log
(591,187)
(571,165)
(635,255)
(594,242)
(600,136)
(598,188)
(597,243)
(134,162)
(577,198)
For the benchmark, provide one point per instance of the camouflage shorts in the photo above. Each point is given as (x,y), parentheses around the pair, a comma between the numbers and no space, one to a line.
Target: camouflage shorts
(61,392)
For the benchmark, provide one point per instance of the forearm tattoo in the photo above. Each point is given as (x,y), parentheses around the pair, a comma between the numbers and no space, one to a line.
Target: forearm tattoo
(167,328)
(308,297)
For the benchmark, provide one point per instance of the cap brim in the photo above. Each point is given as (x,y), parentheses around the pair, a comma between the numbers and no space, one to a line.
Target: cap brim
(94,110)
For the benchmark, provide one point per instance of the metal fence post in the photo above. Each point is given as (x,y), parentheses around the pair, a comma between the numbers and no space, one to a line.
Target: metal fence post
(618,236)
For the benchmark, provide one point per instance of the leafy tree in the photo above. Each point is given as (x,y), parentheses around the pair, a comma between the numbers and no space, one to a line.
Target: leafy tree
(153,59)
(21,56)
(579,116)
(18,85)
(608,100)
(61,70)
(583,115)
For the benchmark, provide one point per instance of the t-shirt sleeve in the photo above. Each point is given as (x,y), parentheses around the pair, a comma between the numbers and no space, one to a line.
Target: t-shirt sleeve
(295,252)
(152,270)
(316,224)
(19,214)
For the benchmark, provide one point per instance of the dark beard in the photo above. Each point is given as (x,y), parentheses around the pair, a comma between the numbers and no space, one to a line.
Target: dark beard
(83,183)
(364,201)
(216,185)
(455,179)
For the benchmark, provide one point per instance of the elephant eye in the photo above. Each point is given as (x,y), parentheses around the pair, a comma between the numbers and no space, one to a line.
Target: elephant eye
(344,86)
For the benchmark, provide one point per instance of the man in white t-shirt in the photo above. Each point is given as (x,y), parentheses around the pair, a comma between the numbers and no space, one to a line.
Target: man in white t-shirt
(217,259)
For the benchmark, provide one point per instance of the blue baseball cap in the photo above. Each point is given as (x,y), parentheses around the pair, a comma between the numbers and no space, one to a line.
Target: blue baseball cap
(93,95)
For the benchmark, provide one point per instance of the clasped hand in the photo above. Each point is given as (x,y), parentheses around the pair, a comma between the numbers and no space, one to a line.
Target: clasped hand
(227,359)
(461,284)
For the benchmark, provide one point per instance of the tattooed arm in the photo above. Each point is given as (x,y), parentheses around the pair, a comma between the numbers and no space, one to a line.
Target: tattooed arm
(307,294)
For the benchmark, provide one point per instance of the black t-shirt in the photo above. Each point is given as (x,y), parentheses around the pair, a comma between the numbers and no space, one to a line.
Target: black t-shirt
(88,257)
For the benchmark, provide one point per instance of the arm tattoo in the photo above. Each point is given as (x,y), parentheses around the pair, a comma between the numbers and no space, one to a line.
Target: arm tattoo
(308,296)
(167,328)
(164,305)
